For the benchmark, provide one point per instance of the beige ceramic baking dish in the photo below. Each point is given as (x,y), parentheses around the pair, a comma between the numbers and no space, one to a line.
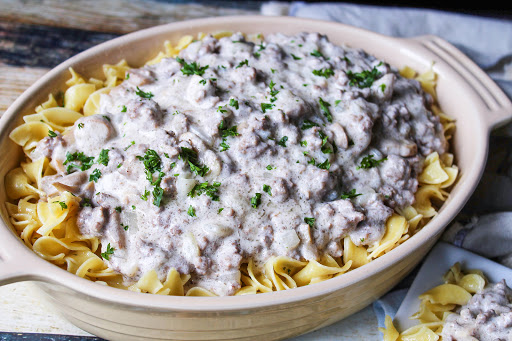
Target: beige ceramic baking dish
(465,92)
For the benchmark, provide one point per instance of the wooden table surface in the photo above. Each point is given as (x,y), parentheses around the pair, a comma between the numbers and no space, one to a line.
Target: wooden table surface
(35,36)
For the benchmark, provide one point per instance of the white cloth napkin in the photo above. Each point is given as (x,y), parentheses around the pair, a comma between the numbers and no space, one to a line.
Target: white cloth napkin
(485,224)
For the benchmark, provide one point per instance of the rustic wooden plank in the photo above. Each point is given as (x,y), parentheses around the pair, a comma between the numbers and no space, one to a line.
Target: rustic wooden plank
(117,16)
(44,46)
(15,80)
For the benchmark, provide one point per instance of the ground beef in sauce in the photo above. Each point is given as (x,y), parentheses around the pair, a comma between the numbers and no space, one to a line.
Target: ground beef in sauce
(239,150)
(486,317)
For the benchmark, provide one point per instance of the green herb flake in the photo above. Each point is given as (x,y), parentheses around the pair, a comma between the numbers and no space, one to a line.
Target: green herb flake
(110,251)
(220,210)
(143,94)
(327,72)
(86,162)
(369,162)
(256,200)
(304,143)
(191,211)
(324,165)
(124,108)
(273,70)
(145,195)
(131,144)
(125,227)
(383,87)
(234,103)
(62,204)
(282,141)
(350,194)
(363,79)
(336,102)
(133,207)
(193,68)
(269,167)
(205,188)
(267,189)
(202,81)
(80,125)
(118,209)
(242,63)
(127,76)
(103,157)
(51,133)
(362,240)
(310,221)
(295,57)
(324,107)
(308,124)
(189,156)
(317,53)
(85,202)
(95,175)
(266,106)
(158,193)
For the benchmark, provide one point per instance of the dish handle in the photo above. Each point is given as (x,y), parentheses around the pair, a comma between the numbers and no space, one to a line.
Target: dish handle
(495,103)
(18,269)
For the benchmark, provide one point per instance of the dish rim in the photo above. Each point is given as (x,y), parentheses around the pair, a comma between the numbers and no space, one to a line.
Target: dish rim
(40,269)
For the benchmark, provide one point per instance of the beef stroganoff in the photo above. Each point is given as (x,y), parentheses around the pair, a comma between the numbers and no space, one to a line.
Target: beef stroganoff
(231,165)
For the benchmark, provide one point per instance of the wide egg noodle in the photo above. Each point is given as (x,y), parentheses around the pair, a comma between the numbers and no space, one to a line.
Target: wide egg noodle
(437,304)
(52,232)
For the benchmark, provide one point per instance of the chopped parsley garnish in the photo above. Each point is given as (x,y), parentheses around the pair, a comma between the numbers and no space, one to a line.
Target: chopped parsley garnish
(242,63)
(119,165)
(202,81)
(295,57)
(189,156)
(145,195)
(192,68)
(256,54)
(234,103)
(273,70)
(158,193)
(226,132)
(62,204)
(133,207)
(325,148)
(86,202)
(324,165)
(124,108)
(362,240)
(80,125)
(347,60)
(51,133)
(383,87)
(191,211)
(86,162)
(220,210)
(336,102)
(95,175)
(304,143)
(269,167)
(327,72)
(267,189)
(221,110)
(350,194)
(127,76)
(363,79)
(143,94)
(152,163)
(205,188)
(125,227)
(108,253)
(317,53)
(369,162)
(256,200)
(266,106)
(282,141)
(118,209)
(308,124)
(103,157)
(273,91)
(106,117)
(310,221)
(324,107)
(131,144)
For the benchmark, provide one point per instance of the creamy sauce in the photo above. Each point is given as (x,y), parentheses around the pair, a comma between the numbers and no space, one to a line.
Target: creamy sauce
(292,144)
(486,317)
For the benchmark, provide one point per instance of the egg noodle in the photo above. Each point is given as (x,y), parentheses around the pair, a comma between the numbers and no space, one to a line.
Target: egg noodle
(49,227)
(437,303)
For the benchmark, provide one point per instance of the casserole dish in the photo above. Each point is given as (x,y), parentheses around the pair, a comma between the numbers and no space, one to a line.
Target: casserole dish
(464,91)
